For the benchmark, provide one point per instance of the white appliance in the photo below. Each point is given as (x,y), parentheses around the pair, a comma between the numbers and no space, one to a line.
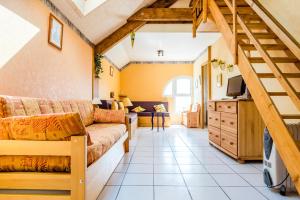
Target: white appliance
(275,173)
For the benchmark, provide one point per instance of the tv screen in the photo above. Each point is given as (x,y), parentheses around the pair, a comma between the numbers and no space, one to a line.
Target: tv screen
(236,86)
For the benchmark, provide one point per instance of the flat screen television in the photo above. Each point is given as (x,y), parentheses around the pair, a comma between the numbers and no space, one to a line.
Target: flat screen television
(236,86)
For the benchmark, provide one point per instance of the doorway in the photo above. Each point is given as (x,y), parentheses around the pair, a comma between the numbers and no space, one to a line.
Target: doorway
(205,81)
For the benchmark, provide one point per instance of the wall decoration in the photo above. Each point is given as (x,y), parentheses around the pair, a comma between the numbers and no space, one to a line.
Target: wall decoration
(112,95)
(219,80)
(98,65)
(132,38)
(111,71)
(55,32)
(218,63)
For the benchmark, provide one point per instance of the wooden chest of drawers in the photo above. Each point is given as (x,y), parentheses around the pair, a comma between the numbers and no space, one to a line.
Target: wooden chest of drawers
(236,128)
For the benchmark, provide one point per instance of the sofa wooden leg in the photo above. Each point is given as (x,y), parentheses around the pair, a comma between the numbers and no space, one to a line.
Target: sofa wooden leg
(126,145)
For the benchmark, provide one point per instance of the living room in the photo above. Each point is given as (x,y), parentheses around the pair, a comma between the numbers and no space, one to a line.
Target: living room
(101,99)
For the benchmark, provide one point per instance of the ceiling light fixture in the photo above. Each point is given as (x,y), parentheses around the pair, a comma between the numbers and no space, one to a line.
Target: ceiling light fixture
(160,53)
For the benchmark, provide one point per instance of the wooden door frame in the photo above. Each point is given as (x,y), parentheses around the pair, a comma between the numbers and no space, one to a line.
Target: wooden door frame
(209,94)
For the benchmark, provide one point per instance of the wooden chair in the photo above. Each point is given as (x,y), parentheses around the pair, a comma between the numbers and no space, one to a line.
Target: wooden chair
(191,118)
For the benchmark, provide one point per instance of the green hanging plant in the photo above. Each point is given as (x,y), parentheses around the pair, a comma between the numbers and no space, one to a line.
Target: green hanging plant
(98,65)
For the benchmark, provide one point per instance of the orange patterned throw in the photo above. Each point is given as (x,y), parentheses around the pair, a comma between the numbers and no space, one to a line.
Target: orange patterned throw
(41,127)
(109,116)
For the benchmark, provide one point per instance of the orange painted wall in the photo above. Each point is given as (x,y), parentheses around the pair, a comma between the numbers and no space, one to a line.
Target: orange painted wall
(40,70)
(108,83)
(146,82)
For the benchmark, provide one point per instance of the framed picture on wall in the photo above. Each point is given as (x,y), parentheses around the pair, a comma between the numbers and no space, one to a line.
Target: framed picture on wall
(111,71)
(55,32)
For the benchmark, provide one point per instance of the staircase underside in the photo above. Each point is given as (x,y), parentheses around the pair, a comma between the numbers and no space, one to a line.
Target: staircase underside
(259,47)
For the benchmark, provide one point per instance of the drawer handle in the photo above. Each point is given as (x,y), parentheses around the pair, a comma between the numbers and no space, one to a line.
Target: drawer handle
(231,123)
(216,136)
(231,143)
(216,119)
(223,121)
(219,106)
(223,139)
(228,107)
(209,118)
(210,133)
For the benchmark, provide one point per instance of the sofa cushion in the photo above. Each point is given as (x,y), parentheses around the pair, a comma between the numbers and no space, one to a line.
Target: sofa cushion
(35,164)
(56,106)
(31,106)
(109,116)
(103,136)
(12,106)
(86,112)
(66,105)
(45,106)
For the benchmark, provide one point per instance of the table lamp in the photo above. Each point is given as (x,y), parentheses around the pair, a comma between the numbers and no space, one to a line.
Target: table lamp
(127,103)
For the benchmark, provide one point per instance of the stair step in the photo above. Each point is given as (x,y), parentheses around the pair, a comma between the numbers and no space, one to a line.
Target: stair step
(252,26)
(242,10)
(258,36)
(274,59)
(251,47)
(271,75)
(280,93)
(291,116)
(238,3)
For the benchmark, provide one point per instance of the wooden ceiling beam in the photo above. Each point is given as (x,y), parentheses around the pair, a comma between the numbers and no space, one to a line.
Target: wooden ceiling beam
(108,42)
(163,14)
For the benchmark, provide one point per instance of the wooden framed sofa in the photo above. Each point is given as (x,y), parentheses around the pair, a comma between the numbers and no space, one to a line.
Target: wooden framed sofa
(144,118)
(53,149)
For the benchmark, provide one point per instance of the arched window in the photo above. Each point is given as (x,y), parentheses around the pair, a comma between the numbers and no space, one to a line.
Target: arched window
(180,89)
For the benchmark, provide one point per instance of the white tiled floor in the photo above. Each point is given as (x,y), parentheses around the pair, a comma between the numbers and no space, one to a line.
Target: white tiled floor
(179,164)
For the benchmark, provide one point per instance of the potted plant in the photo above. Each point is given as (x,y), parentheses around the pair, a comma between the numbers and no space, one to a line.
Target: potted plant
(214,63)
(229,67)
(98,65)
(221,64)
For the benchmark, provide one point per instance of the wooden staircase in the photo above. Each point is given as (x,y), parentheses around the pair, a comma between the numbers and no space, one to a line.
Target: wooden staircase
(265,55)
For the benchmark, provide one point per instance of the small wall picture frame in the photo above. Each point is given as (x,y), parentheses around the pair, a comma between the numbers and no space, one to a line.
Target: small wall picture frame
(111,71)
(55,32)
(219,80)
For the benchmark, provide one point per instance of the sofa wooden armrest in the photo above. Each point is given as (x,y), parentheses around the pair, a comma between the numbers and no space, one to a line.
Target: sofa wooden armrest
(74,181)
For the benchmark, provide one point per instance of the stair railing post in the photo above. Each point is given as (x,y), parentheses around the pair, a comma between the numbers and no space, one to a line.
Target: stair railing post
(234,27)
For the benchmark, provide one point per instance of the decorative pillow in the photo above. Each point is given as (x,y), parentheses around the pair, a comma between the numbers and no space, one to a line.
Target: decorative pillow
(138,109)
(109,116)
(41,127)
(160,108)
(114,105)
(121,106)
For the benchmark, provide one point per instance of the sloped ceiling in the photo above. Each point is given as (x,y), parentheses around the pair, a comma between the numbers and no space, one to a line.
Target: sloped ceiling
(177,46)
(104,19)
(175,39)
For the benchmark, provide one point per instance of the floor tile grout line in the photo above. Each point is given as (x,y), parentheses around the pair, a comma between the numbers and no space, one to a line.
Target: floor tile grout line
(235,173)
(189,192)
(207,171)
(125,173)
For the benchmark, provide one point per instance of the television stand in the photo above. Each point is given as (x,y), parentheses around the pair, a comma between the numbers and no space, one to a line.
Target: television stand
(236,128)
